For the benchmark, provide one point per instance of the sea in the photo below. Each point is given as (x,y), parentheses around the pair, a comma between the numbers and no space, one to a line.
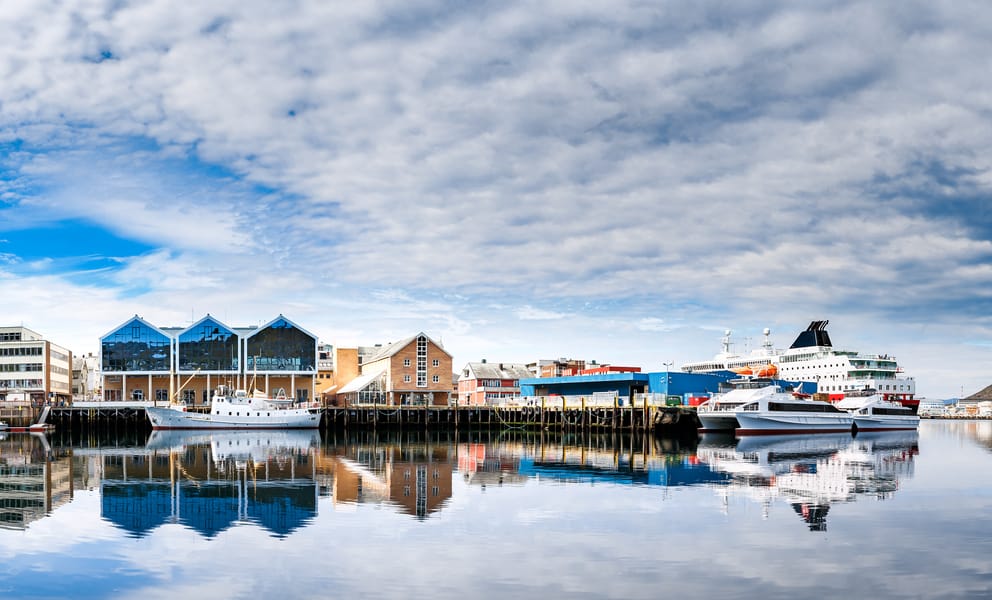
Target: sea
(497,514)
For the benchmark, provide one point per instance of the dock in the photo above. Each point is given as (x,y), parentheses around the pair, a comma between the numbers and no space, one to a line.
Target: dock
(554,418)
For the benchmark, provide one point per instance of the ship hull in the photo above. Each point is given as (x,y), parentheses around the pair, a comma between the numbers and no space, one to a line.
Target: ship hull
(169,418)
(757,423)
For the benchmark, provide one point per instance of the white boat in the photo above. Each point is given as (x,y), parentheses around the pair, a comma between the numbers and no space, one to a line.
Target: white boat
(873,413)
(783,413)
(717,413)
(812,357)
(236,409)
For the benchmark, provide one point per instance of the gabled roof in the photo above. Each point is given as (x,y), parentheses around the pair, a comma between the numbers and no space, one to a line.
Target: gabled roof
(395,347)
(488,370)
(197,324)
(131,320)
(269,324)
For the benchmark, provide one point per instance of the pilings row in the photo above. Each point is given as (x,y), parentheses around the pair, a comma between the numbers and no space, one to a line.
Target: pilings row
(543,418)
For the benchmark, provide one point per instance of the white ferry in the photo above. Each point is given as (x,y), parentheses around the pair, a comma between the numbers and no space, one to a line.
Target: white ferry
(783,413)
(812,357)
(872,413)
(718,413)
(236,409)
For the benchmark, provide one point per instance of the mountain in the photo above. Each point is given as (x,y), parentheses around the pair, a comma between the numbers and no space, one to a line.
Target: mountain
(981,396)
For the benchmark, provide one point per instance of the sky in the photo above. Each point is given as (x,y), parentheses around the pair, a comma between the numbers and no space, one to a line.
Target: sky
(609,181)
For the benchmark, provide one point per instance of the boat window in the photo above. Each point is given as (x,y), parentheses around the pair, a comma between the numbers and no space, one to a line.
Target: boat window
(803,407)
(751,406)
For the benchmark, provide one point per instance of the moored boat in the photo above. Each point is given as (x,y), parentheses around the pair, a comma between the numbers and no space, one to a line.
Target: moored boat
(872,412)
(717,413)
(783,413)
(236,409)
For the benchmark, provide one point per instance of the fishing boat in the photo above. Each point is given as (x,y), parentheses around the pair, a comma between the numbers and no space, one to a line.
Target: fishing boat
(236,409)
(872,412)
(783,413)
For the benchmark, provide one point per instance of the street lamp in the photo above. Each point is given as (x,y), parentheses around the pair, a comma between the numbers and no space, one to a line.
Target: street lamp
(668,365)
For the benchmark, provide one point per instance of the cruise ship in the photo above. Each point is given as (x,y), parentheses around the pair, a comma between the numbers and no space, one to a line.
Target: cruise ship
(812,357)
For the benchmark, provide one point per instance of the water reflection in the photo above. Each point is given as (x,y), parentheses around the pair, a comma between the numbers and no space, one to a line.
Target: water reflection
(34,481)
(209,482)
(811,472)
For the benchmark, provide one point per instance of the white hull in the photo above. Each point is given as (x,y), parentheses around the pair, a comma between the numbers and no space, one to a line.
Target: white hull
(297,418)
(886,422)
(757,422)
(717,420)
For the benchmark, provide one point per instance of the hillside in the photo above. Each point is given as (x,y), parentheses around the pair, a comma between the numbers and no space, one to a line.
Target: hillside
(981,396)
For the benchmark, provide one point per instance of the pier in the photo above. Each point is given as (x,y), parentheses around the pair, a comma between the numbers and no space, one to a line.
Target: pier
(555,418)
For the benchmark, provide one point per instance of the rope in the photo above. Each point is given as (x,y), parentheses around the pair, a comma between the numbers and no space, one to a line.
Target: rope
(505,423)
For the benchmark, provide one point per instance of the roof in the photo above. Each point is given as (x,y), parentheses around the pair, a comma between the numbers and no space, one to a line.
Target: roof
(359,383)
(488,370)
(395,347)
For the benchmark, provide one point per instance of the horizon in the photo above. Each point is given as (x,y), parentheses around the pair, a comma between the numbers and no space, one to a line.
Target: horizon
(617,182)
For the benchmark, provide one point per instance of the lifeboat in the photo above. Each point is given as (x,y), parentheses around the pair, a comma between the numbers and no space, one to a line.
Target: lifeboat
(768,370)
(743,370)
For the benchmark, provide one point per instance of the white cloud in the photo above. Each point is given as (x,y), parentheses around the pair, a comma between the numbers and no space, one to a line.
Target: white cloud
(777,159)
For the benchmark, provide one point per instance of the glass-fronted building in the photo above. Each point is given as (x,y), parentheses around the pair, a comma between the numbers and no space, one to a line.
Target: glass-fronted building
(143,362)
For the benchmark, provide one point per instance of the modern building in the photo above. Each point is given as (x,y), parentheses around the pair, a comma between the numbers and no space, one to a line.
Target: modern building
(33,369)
(140,361)
(416,370)
(483,383)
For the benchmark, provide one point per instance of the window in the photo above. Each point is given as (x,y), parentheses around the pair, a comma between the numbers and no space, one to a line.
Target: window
(406,362)
(422,361)
(436,379)
(407,378)
(436,362)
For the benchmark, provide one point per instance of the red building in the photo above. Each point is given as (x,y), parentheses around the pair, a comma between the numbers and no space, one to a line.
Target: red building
(483,383)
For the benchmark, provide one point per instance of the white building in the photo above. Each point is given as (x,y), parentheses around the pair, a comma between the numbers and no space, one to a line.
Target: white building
(33,368)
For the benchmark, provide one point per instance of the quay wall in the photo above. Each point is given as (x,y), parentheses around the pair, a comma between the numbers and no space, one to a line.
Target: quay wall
(669,419)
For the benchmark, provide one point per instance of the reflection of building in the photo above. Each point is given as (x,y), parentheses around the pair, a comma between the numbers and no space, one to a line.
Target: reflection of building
(415,479)
(416,370)
(198,486)
(32,368)
(144,362)
(482,383)
(812,472)
(33,482)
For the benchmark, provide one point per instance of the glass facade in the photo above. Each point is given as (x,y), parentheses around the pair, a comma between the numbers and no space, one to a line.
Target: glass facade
(208,346)
(135,347)
(281,346)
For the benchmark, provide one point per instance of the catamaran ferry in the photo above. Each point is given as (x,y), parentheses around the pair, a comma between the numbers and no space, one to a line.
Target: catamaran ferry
(812,357)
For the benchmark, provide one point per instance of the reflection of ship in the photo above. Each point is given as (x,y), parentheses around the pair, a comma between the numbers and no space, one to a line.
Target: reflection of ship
(812,357)
(239,446)
(236,409)
(813,472)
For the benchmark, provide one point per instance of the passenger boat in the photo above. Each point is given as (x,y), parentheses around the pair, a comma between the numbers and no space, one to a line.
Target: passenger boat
(236,409)
(812,357)
(783,413)
(717,413)
(873,413)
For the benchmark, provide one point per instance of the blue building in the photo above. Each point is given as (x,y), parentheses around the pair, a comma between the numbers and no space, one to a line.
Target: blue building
(627,384)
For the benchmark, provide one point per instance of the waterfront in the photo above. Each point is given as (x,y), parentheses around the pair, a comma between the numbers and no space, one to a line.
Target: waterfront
(511,514)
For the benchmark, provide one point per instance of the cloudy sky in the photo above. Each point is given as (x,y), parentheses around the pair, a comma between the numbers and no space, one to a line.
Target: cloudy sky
(520,180)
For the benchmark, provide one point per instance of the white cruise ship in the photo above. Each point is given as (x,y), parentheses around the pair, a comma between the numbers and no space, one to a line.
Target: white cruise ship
(812,357)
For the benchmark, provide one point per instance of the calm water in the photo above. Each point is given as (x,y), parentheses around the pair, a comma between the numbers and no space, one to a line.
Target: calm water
(294,515)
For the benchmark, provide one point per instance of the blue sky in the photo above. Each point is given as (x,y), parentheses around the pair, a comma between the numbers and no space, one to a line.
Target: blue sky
(600,180)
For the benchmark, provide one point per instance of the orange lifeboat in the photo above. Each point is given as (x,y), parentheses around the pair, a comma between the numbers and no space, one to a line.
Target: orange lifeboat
(742,370)
(768,370)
